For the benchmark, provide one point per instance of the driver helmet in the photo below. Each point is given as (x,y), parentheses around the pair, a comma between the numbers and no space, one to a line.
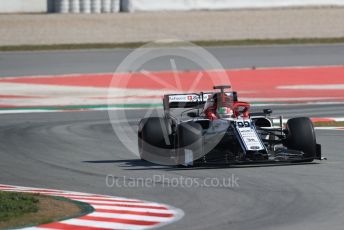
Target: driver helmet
(222,105)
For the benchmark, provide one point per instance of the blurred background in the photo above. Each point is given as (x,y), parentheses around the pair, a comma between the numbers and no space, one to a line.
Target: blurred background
(107,6)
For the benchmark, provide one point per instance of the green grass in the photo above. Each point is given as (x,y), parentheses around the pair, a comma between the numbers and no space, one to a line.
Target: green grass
(246,42)
(13,205)
(18,210)
(329,124)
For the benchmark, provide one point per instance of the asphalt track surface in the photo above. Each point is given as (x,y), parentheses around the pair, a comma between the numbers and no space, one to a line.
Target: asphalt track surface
(100,61)
(77,150)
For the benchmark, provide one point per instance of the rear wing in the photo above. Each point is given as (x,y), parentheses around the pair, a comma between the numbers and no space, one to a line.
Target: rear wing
(190,100)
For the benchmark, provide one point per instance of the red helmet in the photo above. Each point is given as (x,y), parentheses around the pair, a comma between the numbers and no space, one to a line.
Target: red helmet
(221,104)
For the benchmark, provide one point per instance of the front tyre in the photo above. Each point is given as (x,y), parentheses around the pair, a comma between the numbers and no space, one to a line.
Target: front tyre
(301,136)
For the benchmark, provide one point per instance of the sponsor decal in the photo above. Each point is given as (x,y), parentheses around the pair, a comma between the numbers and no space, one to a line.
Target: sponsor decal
(183,98)
(254,147)
(248,135)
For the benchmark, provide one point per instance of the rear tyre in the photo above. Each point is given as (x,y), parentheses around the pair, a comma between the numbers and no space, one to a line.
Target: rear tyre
(189,139)
(155,139)
(301,136)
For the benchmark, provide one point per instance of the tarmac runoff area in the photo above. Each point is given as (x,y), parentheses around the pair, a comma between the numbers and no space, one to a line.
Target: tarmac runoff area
(308,85)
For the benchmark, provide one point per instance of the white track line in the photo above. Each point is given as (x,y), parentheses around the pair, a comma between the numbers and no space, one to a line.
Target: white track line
(129,216)
(103,224)
(148,210)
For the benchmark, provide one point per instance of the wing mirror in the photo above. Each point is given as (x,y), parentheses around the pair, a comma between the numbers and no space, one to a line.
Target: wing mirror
(267,111)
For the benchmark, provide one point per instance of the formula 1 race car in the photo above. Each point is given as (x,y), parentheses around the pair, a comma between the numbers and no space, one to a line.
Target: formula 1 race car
(216,128)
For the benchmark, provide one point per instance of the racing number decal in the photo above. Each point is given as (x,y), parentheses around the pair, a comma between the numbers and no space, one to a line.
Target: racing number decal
(245,124)
(248,136)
